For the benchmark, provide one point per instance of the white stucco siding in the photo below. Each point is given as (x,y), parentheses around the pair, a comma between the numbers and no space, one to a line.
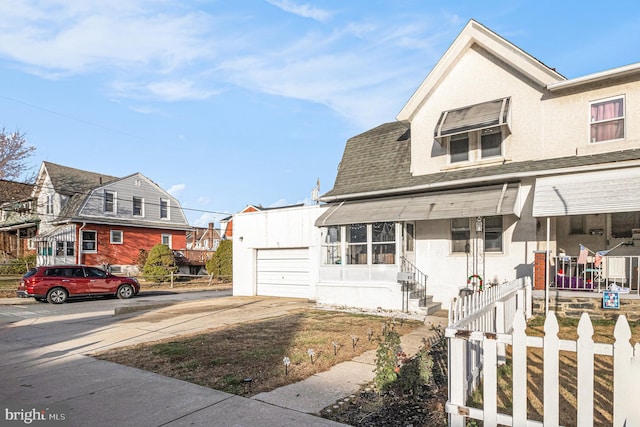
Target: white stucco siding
(279,230)
(473,79)
(566,120)
(448,272)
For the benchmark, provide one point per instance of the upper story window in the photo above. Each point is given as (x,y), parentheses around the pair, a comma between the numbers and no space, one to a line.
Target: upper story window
(474,132)
(459,148)
(138,206)
(109,202)
(490,143)
(164,209)
(49,206)
(166,240)
(607,119)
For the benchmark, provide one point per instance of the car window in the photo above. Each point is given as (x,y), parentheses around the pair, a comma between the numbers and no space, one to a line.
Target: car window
(76,272)
(95,272)
(53,272)
(30,273)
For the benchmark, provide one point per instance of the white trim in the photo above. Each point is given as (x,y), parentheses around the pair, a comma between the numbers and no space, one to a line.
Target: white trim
(623,118)
(596,77)
(111,234)
(81,246)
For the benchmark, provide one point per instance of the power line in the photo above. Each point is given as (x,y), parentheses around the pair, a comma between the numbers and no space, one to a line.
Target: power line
(66,116)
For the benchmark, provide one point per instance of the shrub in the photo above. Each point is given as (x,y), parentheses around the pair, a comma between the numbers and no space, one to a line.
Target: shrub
(160,264)
(19,265)
(221,263)
(387,367)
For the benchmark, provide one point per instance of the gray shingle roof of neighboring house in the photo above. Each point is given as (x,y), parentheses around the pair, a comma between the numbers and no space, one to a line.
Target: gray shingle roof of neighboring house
(70,181)
(378,161)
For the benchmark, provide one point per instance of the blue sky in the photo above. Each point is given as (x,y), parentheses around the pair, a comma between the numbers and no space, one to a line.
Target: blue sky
(229,103)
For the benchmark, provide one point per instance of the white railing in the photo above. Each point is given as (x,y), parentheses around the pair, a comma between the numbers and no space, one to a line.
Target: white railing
(611,272)
(491,312)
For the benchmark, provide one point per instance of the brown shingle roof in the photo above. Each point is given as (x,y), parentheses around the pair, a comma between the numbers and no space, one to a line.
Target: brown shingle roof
(69,181)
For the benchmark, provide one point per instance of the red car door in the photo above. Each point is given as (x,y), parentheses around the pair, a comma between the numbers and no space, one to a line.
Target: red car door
(72,278)
(98,281)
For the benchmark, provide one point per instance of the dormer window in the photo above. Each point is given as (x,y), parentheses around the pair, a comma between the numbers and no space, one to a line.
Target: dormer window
(475,132)
(109,202)
(459,148)
(492,114)
(607,119)
(490,143)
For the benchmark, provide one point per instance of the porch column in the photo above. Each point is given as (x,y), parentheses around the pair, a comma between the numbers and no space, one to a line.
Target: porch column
(539,270)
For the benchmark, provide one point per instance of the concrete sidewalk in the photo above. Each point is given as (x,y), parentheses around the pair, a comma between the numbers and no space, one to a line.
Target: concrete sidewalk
(46,363)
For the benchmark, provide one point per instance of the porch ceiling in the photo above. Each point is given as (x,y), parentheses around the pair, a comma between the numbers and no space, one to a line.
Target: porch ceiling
(588,193)
(485,201)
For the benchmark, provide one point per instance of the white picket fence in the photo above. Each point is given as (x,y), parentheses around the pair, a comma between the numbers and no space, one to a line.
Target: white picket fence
(474,356)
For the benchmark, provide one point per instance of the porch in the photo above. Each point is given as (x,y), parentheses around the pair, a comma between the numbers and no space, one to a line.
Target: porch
(596,273)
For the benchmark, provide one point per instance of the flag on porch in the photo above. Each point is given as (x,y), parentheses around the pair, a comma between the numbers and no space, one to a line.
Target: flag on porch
(598,258)
(584,253)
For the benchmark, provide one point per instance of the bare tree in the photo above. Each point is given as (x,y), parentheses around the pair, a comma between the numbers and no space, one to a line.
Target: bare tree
(14,151)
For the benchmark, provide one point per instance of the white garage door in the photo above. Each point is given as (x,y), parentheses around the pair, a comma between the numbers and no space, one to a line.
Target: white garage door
(283,272)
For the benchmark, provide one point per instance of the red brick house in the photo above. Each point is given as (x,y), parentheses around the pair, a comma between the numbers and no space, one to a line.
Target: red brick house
(94,219)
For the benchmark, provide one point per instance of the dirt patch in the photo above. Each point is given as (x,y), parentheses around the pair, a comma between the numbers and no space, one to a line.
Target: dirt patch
(248,358)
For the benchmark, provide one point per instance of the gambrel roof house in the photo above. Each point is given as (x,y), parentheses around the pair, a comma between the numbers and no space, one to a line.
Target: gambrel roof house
(96,219)
(495,158)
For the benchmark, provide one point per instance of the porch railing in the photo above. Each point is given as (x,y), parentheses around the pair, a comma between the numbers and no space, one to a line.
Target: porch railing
(617,273)
(418,282)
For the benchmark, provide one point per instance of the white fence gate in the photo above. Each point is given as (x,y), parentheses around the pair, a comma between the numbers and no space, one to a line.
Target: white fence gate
(475,346)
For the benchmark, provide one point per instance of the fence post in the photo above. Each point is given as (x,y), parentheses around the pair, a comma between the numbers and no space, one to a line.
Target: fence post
(500,329)
(490,381)
(457,374)
(551,369)
(622,389)
(172,279)
(519,355)
(584,356)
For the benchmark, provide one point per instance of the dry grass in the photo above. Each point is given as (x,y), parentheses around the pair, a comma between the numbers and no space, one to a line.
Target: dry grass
(222,359)
(603,372)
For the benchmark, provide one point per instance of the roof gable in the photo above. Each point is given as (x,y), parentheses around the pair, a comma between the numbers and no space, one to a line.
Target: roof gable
(69,181)
(472,36)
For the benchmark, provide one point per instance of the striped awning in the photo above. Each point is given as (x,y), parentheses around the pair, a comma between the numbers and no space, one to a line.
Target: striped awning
(61,233)
(483,201)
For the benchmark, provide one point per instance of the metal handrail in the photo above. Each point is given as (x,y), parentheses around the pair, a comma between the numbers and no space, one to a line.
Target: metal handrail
(418,280)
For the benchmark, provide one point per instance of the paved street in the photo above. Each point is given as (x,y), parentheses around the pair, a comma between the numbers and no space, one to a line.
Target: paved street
(28,308)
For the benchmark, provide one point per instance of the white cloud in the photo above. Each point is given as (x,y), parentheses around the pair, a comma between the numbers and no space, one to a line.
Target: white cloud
(279,203)
(176,189)
(303,10)
(204,219)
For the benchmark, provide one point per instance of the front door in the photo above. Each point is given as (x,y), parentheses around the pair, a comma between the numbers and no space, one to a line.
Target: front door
(408,241)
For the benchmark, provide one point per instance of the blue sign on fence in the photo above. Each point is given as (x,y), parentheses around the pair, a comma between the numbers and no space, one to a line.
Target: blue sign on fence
(610,299)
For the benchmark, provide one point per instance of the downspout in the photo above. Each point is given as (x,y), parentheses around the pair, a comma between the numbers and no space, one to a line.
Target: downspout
(79,241)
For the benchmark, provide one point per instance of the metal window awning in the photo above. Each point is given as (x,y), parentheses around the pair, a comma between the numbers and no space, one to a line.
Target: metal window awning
(588,193)
(485,201)
(60,233)
(472,118)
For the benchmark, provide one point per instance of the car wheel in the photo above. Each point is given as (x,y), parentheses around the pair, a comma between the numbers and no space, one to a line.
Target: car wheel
(125,291)
(57,296)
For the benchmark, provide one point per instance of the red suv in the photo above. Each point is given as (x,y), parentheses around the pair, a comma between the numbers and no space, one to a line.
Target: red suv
(56,283)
